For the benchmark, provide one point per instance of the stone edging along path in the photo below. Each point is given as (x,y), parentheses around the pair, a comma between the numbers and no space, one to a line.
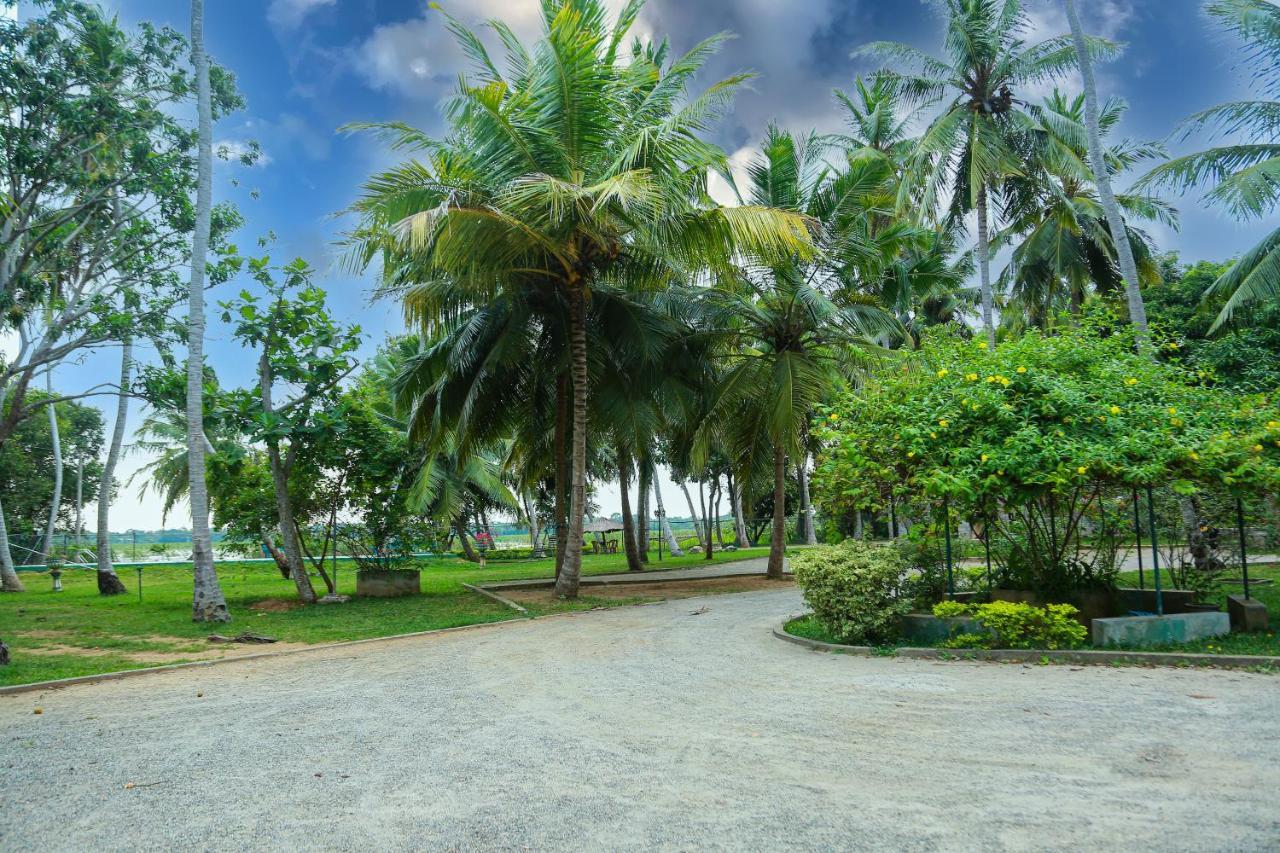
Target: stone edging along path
(1080,656)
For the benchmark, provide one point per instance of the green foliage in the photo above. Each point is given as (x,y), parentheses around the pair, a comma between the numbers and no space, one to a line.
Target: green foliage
(853,589)
(1016,625)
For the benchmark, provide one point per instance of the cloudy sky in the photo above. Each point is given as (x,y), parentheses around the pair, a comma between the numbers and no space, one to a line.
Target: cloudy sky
(306,67)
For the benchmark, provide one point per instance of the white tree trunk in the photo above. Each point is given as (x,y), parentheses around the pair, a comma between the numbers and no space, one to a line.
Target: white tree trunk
(1102,176)
(673,544)
(207,603)
(693,513)
(8,575)
(79,524)
(108,582)
(984,270)
(739,517)
(56,504)
(806,507)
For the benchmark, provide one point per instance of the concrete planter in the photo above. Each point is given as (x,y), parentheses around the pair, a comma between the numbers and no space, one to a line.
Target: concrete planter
(929,629)
(1158,630)
(388,583)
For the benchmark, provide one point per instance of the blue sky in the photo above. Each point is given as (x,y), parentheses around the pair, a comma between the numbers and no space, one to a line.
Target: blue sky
(306,67)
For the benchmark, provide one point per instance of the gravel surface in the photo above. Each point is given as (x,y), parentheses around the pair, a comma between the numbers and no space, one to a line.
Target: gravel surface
(639,728)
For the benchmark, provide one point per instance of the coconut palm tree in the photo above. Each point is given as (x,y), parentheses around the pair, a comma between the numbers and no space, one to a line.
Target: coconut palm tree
(109,582)
(1245,176)
(1056,222)
(788,342)
(1102,175)
(967,151)
(569,169)
(208,603)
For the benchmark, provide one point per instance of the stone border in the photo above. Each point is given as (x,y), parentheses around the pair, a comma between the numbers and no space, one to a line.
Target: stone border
(495,597)
(1080,656)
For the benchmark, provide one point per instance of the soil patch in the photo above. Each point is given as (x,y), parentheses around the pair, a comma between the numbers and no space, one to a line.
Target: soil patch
(157,657)
(656,591)
(276,605)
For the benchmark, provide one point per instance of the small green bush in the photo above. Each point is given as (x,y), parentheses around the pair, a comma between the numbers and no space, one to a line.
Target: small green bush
(1016,625)
(853,589)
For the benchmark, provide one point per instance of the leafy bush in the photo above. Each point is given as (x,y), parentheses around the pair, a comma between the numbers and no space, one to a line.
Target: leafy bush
(1015,625)
(854,589)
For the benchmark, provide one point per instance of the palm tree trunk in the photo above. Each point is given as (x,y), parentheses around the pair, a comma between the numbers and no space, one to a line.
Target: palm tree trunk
(468,553)
(984,270)
(562,469)
(1102,177)
(777,545)
(673,545)
(628,524)
(735,504)
(8,574)
(719,528)
(571,572)
(108,581)
(56,504)
(693,513)
(207,603)
(642,507)
(706,519)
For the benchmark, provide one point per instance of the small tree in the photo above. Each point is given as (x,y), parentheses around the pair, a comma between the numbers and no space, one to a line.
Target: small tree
(299,346)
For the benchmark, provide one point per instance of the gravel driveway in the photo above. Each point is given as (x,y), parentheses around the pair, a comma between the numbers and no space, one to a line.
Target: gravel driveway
(638,728)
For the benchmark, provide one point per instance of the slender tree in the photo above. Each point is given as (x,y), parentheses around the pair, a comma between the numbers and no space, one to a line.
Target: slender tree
(55,505)
(208,603)
(108,581)
(1102,177)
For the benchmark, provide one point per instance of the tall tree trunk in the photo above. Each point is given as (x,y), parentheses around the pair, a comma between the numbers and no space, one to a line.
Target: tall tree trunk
(51,525)
(693,513)
(716,513)
(777,545)
(1102,177)
(207,602)
(109,582)
(628,523)
(468,553)
(79,522)
(562,469)
(810,533)
(567,582)
(859,531)
(673,544)
(282,562)
(739,519)
(8,574)
(280,483)
(642,506)
(984,270)
(707,519)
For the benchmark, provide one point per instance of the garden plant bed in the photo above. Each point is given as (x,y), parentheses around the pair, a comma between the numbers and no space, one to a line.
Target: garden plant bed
(803,631)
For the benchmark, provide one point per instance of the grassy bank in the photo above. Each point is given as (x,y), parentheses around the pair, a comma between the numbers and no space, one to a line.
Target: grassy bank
(78,632)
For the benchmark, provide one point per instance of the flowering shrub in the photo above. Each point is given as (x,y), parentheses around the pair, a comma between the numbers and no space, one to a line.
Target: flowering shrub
(1028,436)
(1015,625)
(853,589)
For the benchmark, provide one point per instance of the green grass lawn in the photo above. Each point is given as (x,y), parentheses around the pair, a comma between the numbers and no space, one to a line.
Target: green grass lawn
(78,632)
(1263,643)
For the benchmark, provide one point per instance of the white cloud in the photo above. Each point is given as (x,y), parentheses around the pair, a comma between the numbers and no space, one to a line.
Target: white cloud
(289,14)
(718,188)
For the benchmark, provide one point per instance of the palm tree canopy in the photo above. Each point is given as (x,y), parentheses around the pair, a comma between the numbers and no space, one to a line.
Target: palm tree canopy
(1244,177)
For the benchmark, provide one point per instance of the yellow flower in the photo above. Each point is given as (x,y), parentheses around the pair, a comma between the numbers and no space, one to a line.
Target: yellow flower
(1000,473)
(1131,381)
(991,379)
(933,435)
(985,457)
(972,377)
(1273,424)
(1102,418)
(1195,457)
(1257,448)
(1082,470)
(911,454)
(833,417)
(1061,433)
(982,344)
(1022,370)
(943,423)
(1004,382)
(1173,410)
(943,372)
(1176,421)
(1115,410)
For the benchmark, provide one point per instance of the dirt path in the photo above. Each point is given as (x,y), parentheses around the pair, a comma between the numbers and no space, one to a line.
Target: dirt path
(643,728)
